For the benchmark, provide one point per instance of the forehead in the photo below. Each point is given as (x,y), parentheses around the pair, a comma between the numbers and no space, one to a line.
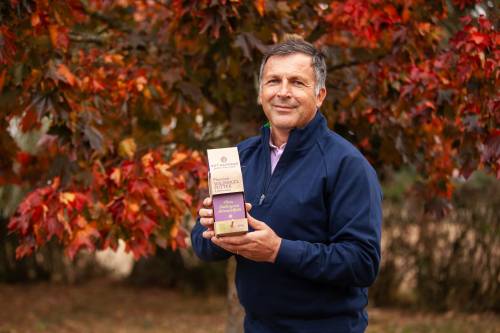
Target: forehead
(291,64)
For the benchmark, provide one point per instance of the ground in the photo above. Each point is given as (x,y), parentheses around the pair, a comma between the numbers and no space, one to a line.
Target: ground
(105,306)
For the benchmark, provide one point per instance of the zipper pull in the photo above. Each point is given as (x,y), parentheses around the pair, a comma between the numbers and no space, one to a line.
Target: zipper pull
(262,197)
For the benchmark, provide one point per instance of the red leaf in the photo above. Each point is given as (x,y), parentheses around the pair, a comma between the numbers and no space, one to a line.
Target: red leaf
(158,201)
(2,79)
(23,158)
(29,121)
(81,201)
(20,223)
(180,238)
(127,168)
(465,20)
(146,224)
(139,246)
(138,186)
(83,238)
(54,227)
(480,39)
(484,23)
(24,250)
(116,208)
(491,152)
(7,46)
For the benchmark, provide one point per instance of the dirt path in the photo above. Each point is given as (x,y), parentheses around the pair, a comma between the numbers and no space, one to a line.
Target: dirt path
(101,306)
(107,307)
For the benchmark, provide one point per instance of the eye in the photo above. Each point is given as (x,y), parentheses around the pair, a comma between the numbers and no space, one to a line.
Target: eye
(298,83)
(272,81)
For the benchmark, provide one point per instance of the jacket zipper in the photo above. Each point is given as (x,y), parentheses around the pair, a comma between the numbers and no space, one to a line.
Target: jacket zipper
(261,200)
(267,183)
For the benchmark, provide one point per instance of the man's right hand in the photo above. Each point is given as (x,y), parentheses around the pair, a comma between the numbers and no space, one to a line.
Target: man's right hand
(207,218)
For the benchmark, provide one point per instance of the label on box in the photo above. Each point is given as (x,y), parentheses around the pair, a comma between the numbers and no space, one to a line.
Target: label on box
(229,207)
(225,171)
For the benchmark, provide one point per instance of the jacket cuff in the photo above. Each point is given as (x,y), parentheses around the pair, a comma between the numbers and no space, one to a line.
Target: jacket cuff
(289,254)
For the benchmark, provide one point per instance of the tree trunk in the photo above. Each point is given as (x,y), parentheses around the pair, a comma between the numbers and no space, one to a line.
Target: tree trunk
(235,312)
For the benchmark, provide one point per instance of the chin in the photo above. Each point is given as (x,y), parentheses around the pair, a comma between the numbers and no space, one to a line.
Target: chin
(284,121)
(283,124)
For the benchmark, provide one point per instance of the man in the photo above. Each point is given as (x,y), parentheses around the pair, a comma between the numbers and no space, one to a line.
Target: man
(315,218)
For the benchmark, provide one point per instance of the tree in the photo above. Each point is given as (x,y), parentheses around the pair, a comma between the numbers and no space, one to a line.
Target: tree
(133,90)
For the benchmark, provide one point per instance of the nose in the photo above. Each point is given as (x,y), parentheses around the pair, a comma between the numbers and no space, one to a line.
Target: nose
(284,89)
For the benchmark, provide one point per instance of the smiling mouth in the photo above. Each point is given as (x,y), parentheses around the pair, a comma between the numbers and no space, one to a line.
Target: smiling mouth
(287,107)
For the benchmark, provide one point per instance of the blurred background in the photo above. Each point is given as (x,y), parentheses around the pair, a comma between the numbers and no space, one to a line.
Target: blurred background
(107,110)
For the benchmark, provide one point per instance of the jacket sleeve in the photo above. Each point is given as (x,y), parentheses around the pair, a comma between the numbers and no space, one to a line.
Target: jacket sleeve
(204,248)
(352,255)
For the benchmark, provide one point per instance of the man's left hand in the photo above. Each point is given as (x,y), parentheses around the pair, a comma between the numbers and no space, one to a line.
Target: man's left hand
(260,245)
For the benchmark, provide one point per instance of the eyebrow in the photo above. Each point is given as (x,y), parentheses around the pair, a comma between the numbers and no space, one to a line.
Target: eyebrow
(293,77)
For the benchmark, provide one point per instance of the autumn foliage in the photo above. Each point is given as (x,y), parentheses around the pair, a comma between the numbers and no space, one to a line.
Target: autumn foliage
(125,95)
(142,203)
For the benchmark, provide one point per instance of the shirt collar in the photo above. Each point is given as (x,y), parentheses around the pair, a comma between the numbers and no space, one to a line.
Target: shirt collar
(273,146)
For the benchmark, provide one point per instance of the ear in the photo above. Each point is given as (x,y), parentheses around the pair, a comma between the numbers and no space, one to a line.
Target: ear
(259,99)
(320,97)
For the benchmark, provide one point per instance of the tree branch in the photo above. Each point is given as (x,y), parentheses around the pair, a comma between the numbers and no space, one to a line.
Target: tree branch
(111,22)
(357,62)
(87,39)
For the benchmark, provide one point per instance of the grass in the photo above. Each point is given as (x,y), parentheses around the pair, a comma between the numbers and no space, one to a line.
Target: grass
(104,306)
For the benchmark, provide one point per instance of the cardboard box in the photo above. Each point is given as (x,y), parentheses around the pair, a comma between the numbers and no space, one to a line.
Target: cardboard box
(225,184)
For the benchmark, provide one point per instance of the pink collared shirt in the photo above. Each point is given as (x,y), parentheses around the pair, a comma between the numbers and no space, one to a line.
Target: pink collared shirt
(276,153)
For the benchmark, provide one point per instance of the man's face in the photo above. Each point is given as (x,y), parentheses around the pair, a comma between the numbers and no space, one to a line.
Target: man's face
(287,91)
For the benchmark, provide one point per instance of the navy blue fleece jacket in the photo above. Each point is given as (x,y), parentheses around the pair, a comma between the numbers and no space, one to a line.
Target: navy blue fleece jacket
(324,200)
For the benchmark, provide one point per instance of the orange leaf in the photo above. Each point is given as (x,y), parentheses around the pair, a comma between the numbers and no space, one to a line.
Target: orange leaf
(35,19)
(66,74)
(116,176)
(127,148)
(66,197)
(83,238)
(177,158)
(59,36)
(479,38)
(261,6)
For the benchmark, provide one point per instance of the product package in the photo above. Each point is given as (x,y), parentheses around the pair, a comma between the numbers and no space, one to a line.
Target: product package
(225,183)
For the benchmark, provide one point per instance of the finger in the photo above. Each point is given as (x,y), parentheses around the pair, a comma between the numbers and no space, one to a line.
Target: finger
(206,212)
(220,243)
(256,224)
(208,234)
(242,250)
(207,202)
(234,240)
(248,206)
(207,222)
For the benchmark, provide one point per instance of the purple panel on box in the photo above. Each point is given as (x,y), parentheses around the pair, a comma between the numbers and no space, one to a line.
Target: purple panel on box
(229,206)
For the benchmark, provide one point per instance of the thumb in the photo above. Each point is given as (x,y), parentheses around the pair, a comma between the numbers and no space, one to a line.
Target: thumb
(256,224)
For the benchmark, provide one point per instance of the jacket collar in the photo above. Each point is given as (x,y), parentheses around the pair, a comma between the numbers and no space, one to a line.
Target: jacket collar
(300,138)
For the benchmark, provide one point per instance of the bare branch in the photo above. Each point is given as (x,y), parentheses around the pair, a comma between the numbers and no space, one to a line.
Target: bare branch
(78,38)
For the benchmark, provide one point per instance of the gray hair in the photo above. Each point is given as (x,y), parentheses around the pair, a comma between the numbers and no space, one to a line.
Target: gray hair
(295,44)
